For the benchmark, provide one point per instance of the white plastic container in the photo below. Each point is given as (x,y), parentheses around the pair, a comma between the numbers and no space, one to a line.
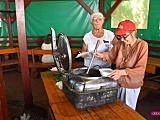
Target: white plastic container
(105,71)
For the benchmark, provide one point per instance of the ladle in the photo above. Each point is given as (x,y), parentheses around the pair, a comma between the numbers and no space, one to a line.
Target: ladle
(97,44)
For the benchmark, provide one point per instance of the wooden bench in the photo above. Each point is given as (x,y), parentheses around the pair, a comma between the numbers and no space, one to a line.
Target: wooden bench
(152,64)
(153,56)
(36,62)
(152,80)
(15,60)
(9,57)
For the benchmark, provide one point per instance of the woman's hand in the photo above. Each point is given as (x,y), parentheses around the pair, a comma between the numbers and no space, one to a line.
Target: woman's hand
(97,54)
(84,56)
(116,74)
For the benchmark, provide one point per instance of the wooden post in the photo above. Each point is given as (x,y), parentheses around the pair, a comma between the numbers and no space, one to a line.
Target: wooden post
(4,115)
(111,10)
(82,3)
(23,52)
(101,6)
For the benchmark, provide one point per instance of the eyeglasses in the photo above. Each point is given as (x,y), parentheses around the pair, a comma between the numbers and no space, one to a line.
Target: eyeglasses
(119,37)
(100,19)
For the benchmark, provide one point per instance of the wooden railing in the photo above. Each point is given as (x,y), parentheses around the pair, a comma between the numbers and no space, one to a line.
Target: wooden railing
(36,41)
(32,41)
(154,48)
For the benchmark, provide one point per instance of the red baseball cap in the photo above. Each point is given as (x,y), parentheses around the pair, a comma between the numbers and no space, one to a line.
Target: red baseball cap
(125,26)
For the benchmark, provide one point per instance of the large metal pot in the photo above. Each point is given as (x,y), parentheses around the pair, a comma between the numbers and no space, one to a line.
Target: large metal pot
(93,74)
(80,82)
(77,79)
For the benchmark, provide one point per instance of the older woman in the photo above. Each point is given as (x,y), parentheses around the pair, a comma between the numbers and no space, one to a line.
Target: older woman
(106,37)
(130,55)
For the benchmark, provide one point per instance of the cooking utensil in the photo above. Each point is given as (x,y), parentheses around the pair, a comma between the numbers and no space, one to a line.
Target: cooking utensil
(97,44)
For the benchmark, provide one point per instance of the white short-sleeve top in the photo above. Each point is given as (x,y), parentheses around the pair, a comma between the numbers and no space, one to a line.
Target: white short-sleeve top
(105,45)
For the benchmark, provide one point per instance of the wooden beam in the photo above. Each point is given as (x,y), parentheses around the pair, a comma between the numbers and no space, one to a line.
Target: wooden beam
(108,14)
(101,6)
(26,3)
(3,18)
(23,52)
(8,21)
(36,0)
(81,2)
(4,115)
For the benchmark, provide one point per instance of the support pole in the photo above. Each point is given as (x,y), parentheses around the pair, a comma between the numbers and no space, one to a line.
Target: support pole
(23,52)
(4,115)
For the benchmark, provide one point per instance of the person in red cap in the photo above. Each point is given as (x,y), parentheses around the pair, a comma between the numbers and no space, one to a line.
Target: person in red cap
(130,55)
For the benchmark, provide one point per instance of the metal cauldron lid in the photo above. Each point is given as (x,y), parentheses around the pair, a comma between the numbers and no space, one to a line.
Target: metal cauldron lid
(62,55)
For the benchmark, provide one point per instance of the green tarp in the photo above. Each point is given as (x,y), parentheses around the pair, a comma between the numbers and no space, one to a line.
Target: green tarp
(72,19)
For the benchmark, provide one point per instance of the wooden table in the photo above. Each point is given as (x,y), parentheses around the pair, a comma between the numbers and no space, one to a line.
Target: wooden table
(64,110)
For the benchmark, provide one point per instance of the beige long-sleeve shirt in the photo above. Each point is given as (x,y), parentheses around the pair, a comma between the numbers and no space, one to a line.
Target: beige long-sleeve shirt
(132,59)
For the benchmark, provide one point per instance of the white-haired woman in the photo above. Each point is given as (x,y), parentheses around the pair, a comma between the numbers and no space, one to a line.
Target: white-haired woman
(106,37)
